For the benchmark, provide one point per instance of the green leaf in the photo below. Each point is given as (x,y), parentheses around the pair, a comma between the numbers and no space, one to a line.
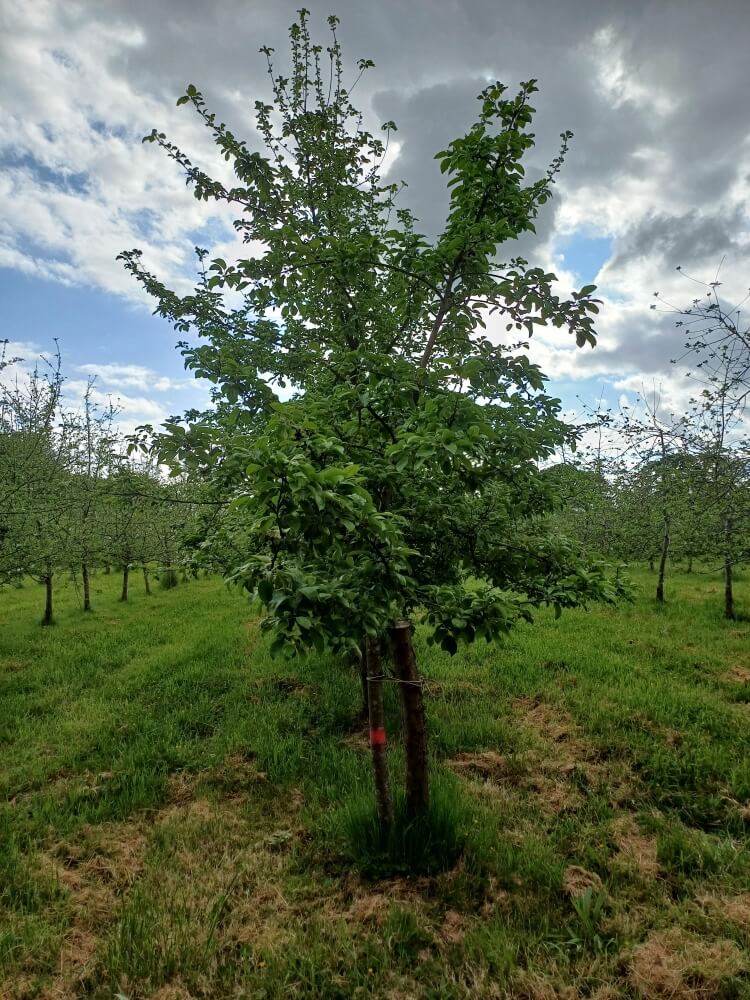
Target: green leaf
(449,644)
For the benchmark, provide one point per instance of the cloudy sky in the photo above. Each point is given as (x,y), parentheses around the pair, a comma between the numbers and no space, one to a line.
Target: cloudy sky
(658,174)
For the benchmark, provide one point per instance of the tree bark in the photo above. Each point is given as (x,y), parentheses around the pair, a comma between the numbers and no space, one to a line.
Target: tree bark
(125,575)
(651,563)
(48,620)
(689,565)
(663,562)
(86,587)
(728,582)
(412,712)
(146,583)
(378,746)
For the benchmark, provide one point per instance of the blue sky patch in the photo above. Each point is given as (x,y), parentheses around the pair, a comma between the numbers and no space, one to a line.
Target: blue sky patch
(585,255)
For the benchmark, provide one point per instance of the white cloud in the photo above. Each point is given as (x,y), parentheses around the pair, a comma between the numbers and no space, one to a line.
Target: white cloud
(133,377)
(78,186)
(617,79)
(661,138)
(131,410)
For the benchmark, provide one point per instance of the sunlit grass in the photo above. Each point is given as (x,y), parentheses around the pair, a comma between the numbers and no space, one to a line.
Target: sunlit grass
(179,810)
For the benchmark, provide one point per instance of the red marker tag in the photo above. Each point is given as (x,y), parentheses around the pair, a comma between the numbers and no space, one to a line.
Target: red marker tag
(377,737)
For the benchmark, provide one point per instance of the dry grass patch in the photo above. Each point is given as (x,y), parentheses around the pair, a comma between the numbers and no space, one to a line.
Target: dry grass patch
(552,773)
(260,917)
(96,868)
(77,961)
(530,985)
(100,863)
(636,850)
(565,754)
(172,992)
(543,773)
(676,965)
(491,775)
(454,927)
(181,787)
(371,908)
(489,765)
(577,880)
(735,909)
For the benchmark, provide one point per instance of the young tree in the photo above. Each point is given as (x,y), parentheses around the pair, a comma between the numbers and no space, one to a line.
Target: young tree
(717,347)
(131,505)
(408,458)
(34,459)
(92,456)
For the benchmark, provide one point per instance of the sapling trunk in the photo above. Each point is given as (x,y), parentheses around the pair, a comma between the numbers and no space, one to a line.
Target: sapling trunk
(412,712)
(125,575)
(146,582)
(48,620)
(663,561)
(374,668)
(86,587)
(728,581)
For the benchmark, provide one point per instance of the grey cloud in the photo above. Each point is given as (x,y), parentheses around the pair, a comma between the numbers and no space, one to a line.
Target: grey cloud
(678,78)
(648,347)
(671,241)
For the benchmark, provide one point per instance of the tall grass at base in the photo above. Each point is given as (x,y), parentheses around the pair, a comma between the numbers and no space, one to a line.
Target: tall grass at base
(168,578)
(422,845)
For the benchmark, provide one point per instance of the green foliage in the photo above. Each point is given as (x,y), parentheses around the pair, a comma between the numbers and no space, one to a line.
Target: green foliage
(406,465)
(586,933)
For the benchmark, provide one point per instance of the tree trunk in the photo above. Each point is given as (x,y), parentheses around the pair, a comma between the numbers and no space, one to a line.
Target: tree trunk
(125,574)
(651,563)
(663,562)
(412,712)
(689,565)
(107,569)
(86,587)
(728,587)
(48,620)
(378,746)
(146,582)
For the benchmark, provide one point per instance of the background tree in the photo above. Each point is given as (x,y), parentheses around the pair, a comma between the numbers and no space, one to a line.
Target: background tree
(717,349)
(93,450)
(35,449)
(129,513)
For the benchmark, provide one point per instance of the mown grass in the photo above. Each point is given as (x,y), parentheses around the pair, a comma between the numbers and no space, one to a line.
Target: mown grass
(176,807)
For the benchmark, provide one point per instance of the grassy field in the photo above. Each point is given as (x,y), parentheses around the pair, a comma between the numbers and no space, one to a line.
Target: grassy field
(174,808)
